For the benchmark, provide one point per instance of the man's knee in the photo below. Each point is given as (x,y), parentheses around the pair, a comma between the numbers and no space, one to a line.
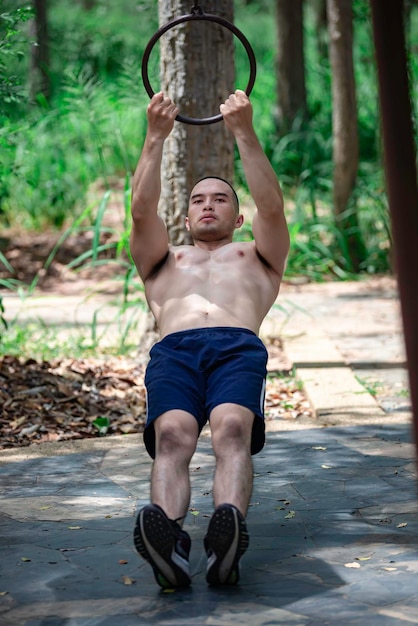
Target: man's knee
(231,426)
(176,434)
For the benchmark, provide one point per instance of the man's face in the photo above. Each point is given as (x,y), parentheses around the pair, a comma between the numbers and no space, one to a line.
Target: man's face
(212,213)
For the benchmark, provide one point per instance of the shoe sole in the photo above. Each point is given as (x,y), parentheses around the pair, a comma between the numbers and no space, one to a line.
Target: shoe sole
(227,538)
(153,539)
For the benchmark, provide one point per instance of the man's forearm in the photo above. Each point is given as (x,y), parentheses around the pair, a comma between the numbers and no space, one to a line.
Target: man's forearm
(261,178)
(146,183)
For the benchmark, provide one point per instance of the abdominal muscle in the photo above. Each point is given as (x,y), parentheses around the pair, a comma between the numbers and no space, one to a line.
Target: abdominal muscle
(195,312)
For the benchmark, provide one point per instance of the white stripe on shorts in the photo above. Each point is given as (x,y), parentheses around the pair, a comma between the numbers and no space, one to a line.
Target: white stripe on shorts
(262,397)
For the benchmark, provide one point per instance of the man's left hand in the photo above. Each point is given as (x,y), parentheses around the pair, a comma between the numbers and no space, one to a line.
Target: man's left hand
(237,112)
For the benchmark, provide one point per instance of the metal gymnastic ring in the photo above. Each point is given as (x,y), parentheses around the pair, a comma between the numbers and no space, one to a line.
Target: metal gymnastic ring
(200,16)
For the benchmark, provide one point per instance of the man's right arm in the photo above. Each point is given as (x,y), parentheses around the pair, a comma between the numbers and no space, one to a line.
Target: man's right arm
(149,239)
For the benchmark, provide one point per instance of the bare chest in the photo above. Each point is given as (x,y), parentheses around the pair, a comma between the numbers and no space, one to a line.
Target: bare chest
(221,275)
(233,264)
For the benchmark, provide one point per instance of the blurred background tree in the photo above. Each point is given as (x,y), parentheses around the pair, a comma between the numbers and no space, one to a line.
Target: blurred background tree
(73,118)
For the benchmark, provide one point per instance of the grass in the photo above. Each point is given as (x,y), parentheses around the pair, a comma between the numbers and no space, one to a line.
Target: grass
(373,387)
(105,335)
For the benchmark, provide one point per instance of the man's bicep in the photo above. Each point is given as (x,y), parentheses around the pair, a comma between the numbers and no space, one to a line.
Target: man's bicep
(148,244)
(271,236)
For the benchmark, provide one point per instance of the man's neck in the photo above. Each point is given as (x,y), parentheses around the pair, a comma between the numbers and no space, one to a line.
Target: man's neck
(210,246)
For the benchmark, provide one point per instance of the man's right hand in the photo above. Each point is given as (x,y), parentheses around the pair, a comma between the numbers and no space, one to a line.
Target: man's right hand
(161,113)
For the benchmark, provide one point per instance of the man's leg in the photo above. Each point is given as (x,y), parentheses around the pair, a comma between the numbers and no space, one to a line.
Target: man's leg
(227,536)
(231,427)
(158,536)
(176,434)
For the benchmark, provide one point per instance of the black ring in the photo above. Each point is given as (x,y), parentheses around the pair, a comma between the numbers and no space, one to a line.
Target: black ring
(188,18)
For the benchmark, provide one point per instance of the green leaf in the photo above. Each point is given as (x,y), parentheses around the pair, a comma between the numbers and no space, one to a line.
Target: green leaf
(102,424)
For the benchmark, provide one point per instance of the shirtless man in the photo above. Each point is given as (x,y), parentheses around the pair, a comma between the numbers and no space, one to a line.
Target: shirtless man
(209,300)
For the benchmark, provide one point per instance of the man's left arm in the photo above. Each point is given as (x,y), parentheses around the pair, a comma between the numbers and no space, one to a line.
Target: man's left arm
(269,224)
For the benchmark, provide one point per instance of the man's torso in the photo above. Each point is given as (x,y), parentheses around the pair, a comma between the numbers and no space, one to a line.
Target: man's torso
(194,288)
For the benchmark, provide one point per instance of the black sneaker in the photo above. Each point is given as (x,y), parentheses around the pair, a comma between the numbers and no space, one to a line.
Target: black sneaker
(225,542)
(162,543)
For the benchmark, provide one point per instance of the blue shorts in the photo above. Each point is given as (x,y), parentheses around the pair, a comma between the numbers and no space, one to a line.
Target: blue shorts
(196,370)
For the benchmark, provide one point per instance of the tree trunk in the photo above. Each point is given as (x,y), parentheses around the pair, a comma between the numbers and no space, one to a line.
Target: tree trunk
(39,77)
(344,120)
(408,6)
(197,71)
(291,88)
(321,28)
(401,171)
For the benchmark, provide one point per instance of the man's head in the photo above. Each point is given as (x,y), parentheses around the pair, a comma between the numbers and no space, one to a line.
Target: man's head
(213,213)
(234,193)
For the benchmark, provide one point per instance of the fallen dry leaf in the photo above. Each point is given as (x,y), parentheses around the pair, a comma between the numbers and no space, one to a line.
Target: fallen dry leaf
(127,580)
(354,565)
(61,399)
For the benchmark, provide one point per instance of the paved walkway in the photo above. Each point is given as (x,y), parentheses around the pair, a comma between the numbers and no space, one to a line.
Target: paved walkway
(333,516)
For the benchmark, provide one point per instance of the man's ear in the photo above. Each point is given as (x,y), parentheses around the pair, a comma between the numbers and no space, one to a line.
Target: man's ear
(239,221)
(186,222)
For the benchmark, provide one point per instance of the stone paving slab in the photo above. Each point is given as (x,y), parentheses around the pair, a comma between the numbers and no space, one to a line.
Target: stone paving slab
(333,524)
(352,331)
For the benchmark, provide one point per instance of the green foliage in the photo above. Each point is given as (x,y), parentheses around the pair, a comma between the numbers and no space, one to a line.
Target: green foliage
(102,41)
(91,131)
(53,158)
(3,322)
(12,19)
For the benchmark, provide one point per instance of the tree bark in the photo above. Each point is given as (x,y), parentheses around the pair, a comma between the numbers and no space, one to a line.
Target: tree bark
(197,71)
(321,28)
(344,121)
(291,88)
(401,171)
(39,81)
